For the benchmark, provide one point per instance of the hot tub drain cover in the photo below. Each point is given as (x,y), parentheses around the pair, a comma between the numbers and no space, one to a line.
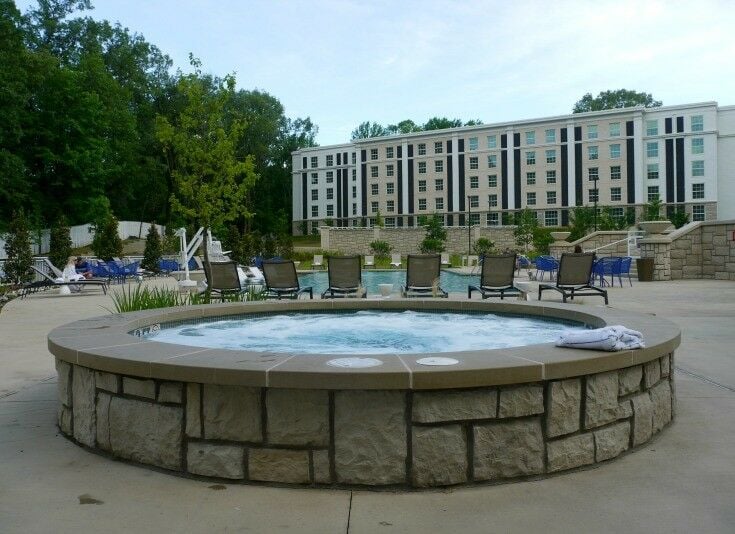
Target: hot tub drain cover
(354,363)
(437,360)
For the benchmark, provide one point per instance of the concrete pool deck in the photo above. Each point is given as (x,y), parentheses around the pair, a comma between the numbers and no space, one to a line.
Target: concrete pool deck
(46,479)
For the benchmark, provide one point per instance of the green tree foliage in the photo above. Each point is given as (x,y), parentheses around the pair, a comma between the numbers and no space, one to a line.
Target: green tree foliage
(542,239)
(526,224)
(380,248)
(436,235)
(581,221)
(369,129)
(619,98)
(107,243)
(679,217)
(652,210)
(60,243)
(153,250)
(17,267)
(483,246)
(441,123)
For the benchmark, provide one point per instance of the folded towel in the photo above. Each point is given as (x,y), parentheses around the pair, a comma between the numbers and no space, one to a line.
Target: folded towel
(609,338)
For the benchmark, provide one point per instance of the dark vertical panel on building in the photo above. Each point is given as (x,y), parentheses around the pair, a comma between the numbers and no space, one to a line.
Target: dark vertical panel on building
(339,195)
(563,135)
(564,175)
(578,187)
(504,179)
(565,217)
(450,185)
(304,195)
(577,133)
(680,169)
(399,151)
(346,211)
(668,127)
(670,171)
(630,169)
(304,162)
(503,141)
(460,181)
(516,139)
(410,151)
(339,159)
(449,146)
(461,145)
(344,158)
(363,187)
(399,189)
(679,124)
(629,128)
(410,181)
(363,155)
(517,177)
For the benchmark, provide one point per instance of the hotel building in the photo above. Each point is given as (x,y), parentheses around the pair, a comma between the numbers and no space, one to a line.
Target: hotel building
(621,158)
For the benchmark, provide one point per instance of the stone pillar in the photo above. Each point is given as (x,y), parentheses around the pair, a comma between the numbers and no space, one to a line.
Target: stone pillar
(324,231)
(560,244)
(658,247)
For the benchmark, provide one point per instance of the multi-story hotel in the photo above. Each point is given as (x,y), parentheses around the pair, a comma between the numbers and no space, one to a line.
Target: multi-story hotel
(621,158)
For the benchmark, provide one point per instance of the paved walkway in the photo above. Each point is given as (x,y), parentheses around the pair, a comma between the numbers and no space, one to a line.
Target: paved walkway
(682,482)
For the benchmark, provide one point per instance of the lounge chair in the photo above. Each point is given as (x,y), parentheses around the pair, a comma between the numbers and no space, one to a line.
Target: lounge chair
(496,278)
(318,261)
(395,260)
(281,280)
(222,279)
(369,261)
(48,281)
(345,277)
(573,277)
(445,260)
(422,276)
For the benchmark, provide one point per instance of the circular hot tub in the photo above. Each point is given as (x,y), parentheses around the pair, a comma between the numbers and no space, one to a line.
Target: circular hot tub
(398,416)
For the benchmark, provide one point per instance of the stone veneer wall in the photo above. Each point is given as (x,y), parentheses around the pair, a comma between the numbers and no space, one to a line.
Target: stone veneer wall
(375,438)
(703,250)
(407,240)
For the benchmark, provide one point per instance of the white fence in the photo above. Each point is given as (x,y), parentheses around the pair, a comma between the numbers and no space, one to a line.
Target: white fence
(82,235)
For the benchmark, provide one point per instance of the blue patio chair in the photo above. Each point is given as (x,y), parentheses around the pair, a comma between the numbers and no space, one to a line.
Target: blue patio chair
(546,264)
(608,266)
(130,270)
(623,269)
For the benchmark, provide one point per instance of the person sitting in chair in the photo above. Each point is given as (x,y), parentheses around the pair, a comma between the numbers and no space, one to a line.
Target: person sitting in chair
(69,274)
(82,267)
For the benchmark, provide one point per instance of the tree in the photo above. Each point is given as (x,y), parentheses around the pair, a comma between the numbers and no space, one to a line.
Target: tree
(436,235)
(107,243)
(18,249)
(526,225)
(60,243)
(403,127)
(581,220)
(368,129)
(153,250)
(441,123)
(620,98)
(679,217)
(652,210)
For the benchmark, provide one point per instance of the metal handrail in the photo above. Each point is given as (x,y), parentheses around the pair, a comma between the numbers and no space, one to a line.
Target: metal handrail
(631,239)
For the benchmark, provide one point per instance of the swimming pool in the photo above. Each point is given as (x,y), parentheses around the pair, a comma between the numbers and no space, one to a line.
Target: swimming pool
(449,281)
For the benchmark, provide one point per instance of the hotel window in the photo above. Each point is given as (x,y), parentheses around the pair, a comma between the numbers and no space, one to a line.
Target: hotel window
(551,156)
(389,170)
(314,178)
(551,218)
(422,149)
(698,168)
(652,127)
(592,152)
(330,177)
(530,138)
(492,201)
(390,206)
(492,141)
(492,180)
(354,174)
(531,157)
(330,160)
(652,149)
(593,195)
(474,219)
(354,212)
(615,151)
(617,213)
(474,182)
(593,173)
(374,207)
(652,171)
(550,177)
(330,210)
(550,136)
(551,197)
(422,186)
(531,198)
(373,153)
(615,172)
(652,193)
(315,211)
(697,145)
(389,152)
(473,163)
(530,178)
(474,201)
(616,194)
(354,158)
(314,162)
(439,203)
(390,222)
(439,165)
(330,193)
(354,191)
(439,184)
(492,219)
(438,147)
(390,188)
(492,161)
(697,191)
(314,194)
(422,204)
(698,213)
(614,129)
(592,131)
(373,189)
(697,123)
(374,171)
(422,167)
(472,142)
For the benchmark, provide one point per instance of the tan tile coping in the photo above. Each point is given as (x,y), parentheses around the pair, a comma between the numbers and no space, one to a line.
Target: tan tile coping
(104,343)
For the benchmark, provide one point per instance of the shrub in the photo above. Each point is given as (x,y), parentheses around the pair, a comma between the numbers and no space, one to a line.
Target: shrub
(153,250)
(144,298)
(18,249)
(483,246)
(436,235)
(60,243)
(679,218)
(380,248)
(542,239)
(652,210)
(107,243)
(526,225)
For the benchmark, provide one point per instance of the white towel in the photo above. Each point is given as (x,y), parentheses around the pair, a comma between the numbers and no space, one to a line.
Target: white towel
(609,338)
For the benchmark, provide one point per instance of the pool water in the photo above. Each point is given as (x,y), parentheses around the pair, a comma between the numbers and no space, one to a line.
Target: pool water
(449,281)
(367,332)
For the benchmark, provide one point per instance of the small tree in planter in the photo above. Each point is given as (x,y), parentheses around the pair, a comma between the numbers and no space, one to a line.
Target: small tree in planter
(483,246)
(526,225)
(380,248)
(153,250)
(679,218)
(107,243)
(18,249)
(652,210)
(436,235)
(60,243)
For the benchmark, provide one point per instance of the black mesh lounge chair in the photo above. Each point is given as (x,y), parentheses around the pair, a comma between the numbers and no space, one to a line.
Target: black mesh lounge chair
(48,281)
(422,276)
(573,278)
(222,279)
(345,277)
(281,280)
(496,279)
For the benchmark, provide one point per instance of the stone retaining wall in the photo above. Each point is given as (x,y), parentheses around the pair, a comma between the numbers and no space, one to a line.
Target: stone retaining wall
(375,438)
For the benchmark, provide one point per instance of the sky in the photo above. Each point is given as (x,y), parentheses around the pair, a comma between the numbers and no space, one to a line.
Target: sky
(342,62)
